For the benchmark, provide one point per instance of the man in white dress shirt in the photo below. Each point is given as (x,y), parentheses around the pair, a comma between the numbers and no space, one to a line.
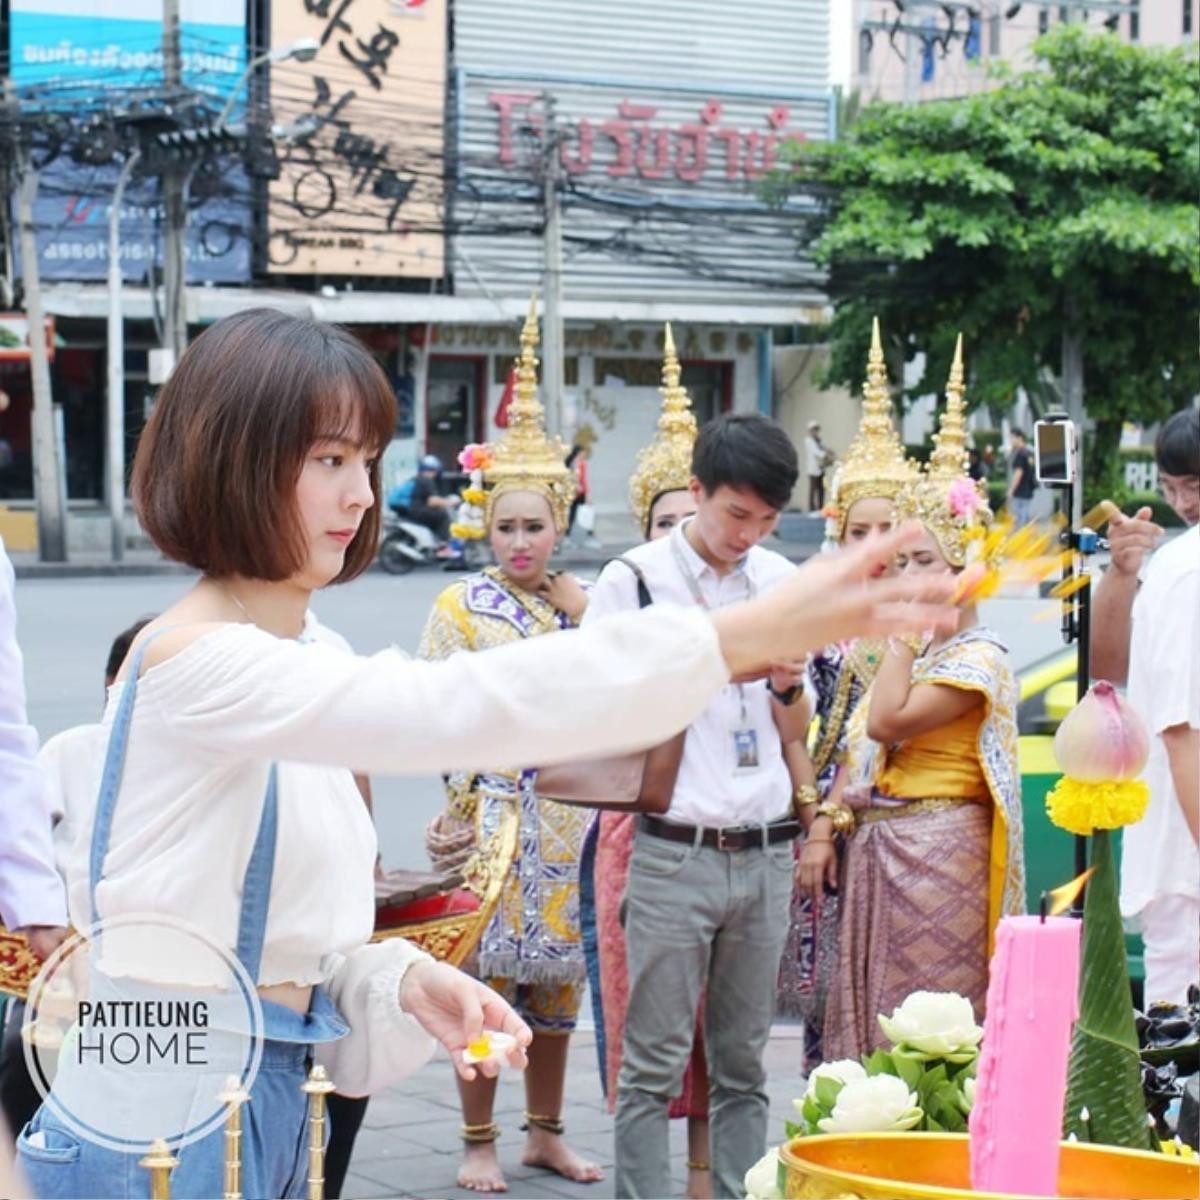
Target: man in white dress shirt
(31,893)
(710,883)
(1147,625)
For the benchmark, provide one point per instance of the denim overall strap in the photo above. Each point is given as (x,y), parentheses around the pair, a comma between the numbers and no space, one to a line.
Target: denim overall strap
(110,780)
(256,884)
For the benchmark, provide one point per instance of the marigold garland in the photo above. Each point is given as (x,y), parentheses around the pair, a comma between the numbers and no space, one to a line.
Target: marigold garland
(1081,807)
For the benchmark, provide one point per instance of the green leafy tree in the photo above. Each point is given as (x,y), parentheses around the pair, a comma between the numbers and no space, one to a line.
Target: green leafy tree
(1053,219)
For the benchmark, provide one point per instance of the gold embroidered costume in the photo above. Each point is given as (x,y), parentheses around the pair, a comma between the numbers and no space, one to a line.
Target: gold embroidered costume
(530,951)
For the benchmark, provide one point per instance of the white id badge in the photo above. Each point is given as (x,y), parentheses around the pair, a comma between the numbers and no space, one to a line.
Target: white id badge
(745,751)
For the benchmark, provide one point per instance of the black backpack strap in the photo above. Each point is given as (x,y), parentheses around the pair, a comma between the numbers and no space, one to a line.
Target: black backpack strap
(643,588)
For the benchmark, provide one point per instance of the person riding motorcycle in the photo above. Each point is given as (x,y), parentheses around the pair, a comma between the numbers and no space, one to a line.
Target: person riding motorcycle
(422,501)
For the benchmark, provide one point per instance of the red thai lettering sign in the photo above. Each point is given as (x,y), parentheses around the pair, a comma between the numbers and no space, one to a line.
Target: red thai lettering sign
(634,143)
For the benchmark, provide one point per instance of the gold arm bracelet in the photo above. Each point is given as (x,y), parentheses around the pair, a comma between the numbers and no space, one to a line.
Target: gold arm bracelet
(842,816)
(807,794)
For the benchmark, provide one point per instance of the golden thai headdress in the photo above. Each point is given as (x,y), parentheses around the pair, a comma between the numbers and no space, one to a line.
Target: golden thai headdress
(946,500)
(875,464)
(666,464)
(525,459)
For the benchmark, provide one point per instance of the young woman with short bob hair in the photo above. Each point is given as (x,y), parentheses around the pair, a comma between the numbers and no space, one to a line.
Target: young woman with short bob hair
(227,798)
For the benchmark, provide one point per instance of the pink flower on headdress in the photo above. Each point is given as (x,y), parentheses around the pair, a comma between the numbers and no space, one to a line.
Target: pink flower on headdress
(475,457)
(963,497)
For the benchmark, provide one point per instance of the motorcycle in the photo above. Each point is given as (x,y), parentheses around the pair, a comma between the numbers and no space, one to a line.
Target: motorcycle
(405,544)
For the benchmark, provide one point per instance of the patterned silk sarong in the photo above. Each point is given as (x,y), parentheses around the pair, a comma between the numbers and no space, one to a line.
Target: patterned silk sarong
(917,919)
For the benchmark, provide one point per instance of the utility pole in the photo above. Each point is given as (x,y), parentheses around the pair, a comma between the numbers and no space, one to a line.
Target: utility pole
(174,198)
(552,289)
(48,489)
(115,464)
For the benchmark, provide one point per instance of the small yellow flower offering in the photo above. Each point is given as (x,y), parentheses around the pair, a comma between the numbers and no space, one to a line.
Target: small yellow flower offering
(490,1045)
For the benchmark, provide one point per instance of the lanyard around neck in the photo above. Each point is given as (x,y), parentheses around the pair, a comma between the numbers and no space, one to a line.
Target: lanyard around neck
(693,584)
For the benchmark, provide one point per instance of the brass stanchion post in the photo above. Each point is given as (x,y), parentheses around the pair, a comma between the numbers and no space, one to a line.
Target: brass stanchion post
(160,1162)
(317,1087)
(233,1095)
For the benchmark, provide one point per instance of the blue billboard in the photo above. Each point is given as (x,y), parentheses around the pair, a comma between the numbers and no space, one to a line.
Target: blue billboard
(76,52)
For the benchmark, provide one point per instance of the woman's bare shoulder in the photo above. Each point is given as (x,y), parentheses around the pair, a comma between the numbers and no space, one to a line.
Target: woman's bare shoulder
(180,626)
(163,643)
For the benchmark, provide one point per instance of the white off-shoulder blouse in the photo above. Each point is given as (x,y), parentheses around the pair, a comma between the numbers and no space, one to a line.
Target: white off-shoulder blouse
(208,722)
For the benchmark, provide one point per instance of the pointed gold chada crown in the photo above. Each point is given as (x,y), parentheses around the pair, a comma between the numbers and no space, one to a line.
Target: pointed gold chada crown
(946,500)
(525,459)
(875,465)
(666,464)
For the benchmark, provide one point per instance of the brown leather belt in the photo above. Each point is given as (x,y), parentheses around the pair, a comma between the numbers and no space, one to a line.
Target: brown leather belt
(727,837)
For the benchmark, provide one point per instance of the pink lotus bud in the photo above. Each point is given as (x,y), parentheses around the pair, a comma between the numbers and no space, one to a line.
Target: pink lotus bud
(1101,738)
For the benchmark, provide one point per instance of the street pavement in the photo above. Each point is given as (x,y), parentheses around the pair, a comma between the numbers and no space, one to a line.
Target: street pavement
(408,1145)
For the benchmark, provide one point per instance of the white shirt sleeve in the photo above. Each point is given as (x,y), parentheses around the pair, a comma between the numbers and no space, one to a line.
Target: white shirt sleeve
(629,682)
(384,1044)
(1174,649)
(31,892)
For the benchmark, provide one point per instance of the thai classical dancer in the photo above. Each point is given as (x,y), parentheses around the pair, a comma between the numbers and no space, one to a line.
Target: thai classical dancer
(862,502)
(930,804)
(530,951)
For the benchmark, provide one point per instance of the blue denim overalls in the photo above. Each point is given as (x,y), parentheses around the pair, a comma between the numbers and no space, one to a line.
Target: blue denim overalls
(273,1122)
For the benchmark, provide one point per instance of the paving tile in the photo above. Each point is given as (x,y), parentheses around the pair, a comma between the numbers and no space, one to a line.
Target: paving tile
(409,1144)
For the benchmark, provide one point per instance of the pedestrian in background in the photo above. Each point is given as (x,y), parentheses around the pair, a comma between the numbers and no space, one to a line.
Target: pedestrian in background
(1021,482)
(818,459)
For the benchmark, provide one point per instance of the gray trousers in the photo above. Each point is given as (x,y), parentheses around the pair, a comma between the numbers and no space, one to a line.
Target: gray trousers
(695,918)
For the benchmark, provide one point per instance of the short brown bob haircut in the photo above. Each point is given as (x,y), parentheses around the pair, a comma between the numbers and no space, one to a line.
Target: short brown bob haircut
(214,480)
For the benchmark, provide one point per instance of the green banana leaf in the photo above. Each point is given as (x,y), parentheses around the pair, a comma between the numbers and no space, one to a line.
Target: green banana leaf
(1104,1075)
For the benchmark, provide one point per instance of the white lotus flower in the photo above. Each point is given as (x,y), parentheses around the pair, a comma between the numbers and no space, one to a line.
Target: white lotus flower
(873,1105)
(843,1070)
(762,1180)
(968,1091)
(934,1025)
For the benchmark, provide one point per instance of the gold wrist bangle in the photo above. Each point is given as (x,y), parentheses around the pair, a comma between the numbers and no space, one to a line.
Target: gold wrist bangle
(807,794)
(842,816)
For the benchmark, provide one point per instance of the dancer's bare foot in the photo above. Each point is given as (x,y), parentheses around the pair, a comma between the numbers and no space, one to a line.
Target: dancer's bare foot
(546,1149)
(699,1184)
(480,1170)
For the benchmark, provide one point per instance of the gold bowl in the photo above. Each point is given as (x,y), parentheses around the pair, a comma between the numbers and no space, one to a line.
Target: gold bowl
(936,1166)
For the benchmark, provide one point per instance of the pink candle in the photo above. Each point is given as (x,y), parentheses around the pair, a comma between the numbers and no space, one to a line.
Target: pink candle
(1032,1002)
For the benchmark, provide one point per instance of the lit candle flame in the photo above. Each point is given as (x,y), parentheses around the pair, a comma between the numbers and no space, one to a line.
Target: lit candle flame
(1061,898)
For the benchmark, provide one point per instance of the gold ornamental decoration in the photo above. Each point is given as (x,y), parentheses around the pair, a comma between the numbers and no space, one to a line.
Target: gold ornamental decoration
(525,459)
(18,964)
(666,464)
(875,465)
(453,937)
(946,500)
